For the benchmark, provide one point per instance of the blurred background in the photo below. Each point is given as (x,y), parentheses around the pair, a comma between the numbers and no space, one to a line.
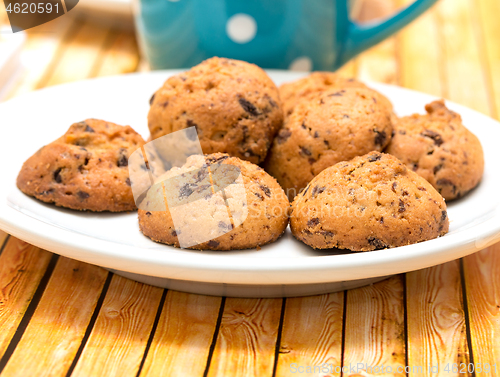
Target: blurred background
(452,51)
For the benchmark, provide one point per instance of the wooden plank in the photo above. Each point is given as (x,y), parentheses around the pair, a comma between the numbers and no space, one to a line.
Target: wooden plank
(59,322)
(436,322)
(246,342)
(465,76)
(374,329)
(120,334)
(181,343)
(3,236)
(78,59)
(41,50)
(482,281)
(311,339)
(22,266)
(420,54)
(379,63)
(122,55)
(487,22)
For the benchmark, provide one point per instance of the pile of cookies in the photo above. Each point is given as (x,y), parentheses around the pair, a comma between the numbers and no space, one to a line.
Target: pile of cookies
(335,162)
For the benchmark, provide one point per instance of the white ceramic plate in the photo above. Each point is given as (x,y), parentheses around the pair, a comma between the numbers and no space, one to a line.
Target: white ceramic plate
(286,267)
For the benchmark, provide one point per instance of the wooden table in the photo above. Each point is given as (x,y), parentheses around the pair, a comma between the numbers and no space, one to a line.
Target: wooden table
(62,317)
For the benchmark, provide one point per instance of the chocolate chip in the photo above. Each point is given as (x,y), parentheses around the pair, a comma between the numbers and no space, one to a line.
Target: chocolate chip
(123,158)
(381,220)
(222,225)
(266,190)
(414,166)
(248,106)
(192,135)
(446,182)
(303,125)
(375,157)
(316,134)
(258,195)
(345,116)
(83,195)
(127,181)
(283,135)
(186,190)
(394,185)
(317,190)
(336,94)
(401,206)
(57,175)
(152,99)
(213,160)
(326,233)
(378,244)
(438,140)
(374,99)
(311,160)
(89,129)
(313,222)
(174,233)
(305,151)
(422,188)
(437,168)
(148,213)
(380,137)
(326,143)
(213,243)
(405,193)
(443,215)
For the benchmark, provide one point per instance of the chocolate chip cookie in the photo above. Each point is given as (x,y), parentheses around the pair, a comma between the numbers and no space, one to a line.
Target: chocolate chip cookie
(332,126)
(215,202)
(294,92)
(234,106)
(370,202)
(438,147)
(85,169)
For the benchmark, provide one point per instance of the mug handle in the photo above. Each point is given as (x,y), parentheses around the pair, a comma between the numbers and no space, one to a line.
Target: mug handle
(360,37)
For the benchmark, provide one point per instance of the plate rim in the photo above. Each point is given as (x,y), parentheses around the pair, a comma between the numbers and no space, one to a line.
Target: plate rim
(249,270)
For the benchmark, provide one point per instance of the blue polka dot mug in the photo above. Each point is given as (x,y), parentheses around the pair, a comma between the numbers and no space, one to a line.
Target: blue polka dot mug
(283,34)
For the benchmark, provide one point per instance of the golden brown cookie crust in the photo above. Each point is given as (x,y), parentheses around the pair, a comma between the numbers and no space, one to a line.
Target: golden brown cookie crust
(292,93)
(267,217)
(234,106)
(371,202)
(438,147)
(333,126)
(85,169)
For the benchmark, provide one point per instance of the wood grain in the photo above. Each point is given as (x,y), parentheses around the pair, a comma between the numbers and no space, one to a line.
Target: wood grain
(482,280)
(77,60)
(3,237)
(121,56)
(420,54)
(22,266)
(463,68)
(59,321)
(246,342)
(436,322)
(182,339)
(312,336)
(374,330)
(120,334)
(486,21)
